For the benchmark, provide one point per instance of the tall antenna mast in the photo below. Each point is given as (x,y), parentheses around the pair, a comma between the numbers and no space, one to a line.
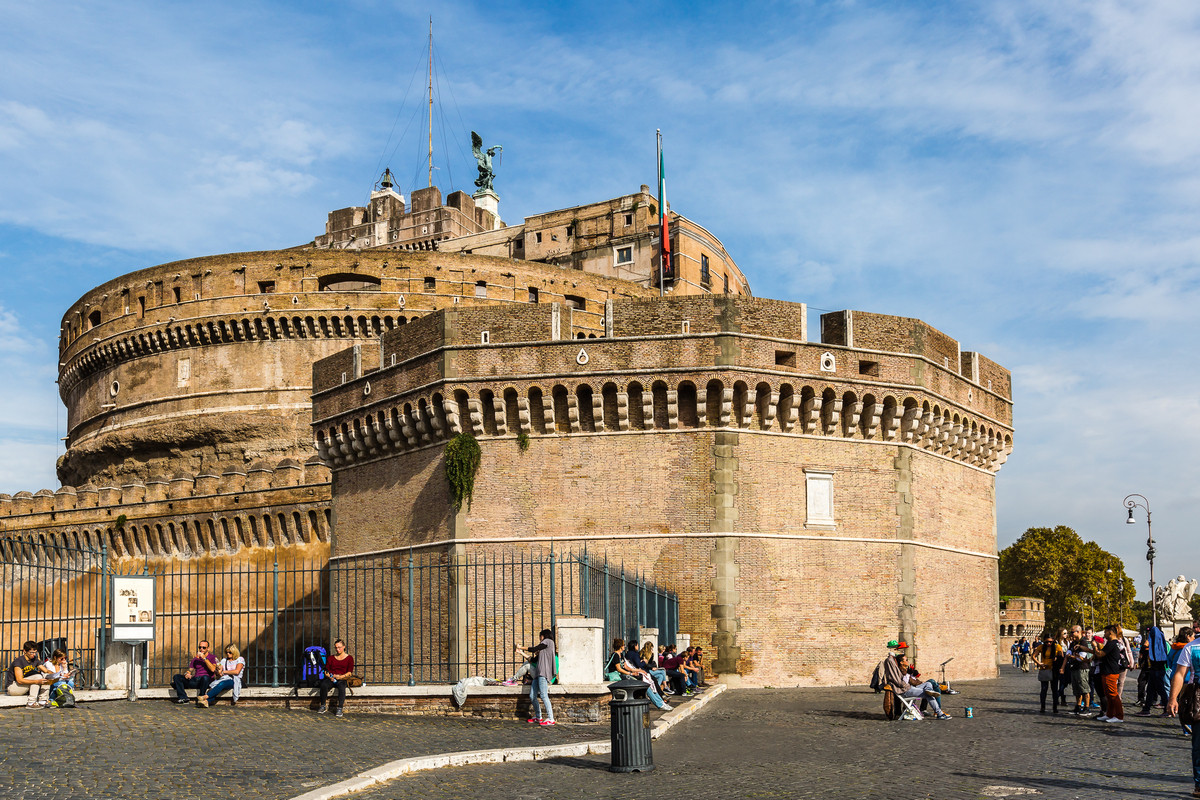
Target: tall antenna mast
(431,101)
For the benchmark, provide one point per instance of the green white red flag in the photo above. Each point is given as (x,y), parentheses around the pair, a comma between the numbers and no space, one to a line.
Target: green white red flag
(666,267)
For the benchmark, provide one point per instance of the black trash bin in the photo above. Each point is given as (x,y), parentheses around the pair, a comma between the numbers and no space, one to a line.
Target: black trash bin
(630,711)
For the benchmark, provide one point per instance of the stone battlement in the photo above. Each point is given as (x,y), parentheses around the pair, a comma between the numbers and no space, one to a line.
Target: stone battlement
(661,365)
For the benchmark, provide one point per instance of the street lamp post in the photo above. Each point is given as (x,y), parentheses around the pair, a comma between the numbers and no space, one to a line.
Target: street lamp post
(1131,504)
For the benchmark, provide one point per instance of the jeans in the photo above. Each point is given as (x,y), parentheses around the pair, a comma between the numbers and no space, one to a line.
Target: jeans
(524,670)
(919,691)
(678,681)
(540,687)
(1195,758)
(181,684)
(219,687)
(652,693)
(326,684)
(1061,681)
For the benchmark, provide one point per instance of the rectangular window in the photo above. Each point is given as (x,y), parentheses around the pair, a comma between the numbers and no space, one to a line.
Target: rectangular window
(570,231)
(785,358)
(141,307)
(533,294)
(625,255)
(539,237)
(869,368)
(628,220)
(481,288)
(266,287)
(819,492)
(726,278)
(705,278)
(177,294)
(431,284)
(573,301)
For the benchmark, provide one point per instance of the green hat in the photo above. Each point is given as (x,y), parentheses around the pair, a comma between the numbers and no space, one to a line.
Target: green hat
(893,643)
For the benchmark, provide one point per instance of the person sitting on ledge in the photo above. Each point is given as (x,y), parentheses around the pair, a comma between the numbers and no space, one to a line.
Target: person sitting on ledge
(229,671)
(199,674)
(25,677)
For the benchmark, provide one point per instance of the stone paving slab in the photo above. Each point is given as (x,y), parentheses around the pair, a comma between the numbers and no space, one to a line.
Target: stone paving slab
(835,743)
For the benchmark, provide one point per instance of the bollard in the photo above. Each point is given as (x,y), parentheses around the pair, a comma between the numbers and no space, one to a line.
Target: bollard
(630,712)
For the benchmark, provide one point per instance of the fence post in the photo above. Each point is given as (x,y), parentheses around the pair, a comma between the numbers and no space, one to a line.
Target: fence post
(412,678)
(585,580)
(607,617)
(275,624)
(458,613)
(551,584)
(102,656)
(637,608)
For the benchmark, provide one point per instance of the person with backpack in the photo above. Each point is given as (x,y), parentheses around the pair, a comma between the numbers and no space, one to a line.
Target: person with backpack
(338,670)
(542,657)
(24,677)
(1186,666)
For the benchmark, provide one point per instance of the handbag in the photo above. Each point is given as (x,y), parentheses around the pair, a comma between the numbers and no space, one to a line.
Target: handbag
(1189,704)
(354,681)
(1043,675)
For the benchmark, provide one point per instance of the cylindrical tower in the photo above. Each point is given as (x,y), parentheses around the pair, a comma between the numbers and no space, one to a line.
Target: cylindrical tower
(206,364)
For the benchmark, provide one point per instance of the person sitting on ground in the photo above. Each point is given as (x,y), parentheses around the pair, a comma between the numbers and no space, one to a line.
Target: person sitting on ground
(229,677)
(914,687)
(199,674)
(338,670)
(23,676)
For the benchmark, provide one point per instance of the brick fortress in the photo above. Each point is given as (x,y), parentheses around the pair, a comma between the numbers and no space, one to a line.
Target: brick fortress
(807,499)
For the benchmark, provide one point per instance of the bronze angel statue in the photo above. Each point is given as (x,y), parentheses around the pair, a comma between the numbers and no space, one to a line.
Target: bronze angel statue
(484,158)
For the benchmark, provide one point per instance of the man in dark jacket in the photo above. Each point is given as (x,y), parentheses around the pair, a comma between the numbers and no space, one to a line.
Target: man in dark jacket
(1157,653)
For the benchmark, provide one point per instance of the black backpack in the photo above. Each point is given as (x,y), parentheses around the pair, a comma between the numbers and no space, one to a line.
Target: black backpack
(312,667)
(61,696)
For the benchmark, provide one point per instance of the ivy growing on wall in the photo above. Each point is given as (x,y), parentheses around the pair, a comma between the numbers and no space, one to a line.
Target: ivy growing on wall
(462,462)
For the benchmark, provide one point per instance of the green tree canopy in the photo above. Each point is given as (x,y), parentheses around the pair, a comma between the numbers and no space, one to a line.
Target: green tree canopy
(1078,580)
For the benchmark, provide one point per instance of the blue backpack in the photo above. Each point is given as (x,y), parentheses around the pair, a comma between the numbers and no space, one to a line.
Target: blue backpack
(312,667)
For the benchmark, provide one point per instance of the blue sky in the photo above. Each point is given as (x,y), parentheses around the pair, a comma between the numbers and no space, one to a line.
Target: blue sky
(1024,176)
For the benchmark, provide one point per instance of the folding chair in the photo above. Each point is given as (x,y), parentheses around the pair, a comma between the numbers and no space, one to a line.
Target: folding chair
(911,711)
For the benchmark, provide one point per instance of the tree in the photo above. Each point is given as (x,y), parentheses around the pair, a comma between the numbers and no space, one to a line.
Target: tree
(1078,580)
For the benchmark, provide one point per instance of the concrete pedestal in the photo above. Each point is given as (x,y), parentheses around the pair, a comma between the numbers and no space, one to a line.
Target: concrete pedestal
(119,659)
(581,650)
(489,201)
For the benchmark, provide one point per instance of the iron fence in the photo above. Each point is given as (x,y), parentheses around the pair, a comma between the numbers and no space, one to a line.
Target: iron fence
(408,616)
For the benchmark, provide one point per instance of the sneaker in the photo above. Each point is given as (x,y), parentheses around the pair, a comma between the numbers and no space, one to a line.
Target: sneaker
(944,716)
(324,707)
(181,701)
(1085,715)
(339,713)
(535,720)
(510,683)
(1113,719)
(1101,718)
(1144,714)
(666,707)
(32,705)
(546,722)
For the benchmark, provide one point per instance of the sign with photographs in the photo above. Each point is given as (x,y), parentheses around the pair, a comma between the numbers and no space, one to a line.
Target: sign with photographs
(133,608)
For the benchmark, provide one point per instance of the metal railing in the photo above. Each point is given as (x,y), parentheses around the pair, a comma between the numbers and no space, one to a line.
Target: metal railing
(408,616)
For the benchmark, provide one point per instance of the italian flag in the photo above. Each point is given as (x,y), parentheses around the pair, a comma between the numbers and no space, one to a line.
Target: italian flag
(664,229)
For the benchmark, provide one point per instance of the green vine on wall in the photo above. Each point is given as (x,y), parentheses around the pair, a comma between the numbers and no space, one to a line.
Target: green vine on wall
(523,441)
(462,462)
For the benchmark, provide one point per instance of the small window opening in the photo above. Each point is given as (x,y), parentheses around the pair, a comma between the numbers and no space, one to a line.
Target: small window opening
(628,220)
(485,337)
(705,278)
(570,231)
(574,301)
(266,287)
(175,291)
(726,277)
(430,284)
(93,319)
(785,358)
(481,288)
(538,237)
(624,255)
(869,368)
(141,307)
(533,294)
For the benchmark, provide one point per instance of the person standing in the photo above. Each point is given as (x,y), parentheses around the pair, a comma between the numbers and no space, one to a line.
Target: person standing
(338,670)
(1078,663)
(1045,657)
(1024,654)
(1187,660)
(1157,650)
(1110,662)
(199,674)
(543,673)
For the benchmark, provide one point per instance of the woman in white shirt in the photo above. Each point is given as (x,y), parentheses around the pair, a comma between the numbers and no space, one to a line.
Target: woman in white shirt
(229,676)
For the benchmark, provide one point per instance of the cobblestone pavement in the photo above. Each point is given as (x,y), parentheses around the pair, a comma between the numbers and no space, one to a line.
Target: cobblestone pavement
(155,749)
(834,744)
(770,743)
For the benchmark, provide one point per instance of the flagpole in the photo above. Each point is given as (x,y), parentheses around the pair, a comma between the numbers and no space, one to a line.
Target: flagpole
(662,213)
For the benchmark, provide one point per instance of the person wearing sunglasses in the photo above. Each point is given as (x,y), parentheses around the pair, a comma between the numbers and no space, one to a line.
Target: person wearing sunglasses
(229,677)
(201,671)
